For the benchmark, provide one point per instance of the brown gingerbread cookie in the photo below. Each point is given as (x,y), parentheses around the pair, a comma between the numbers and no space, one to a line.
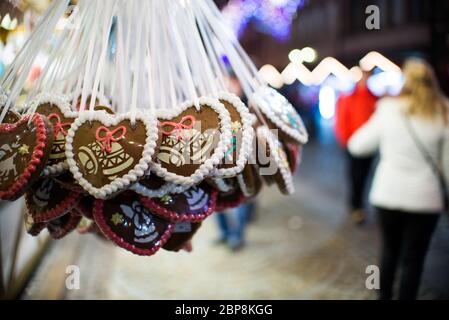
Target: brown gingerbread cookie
(192,142)
(107,153)
(24,151)
(193,205)
(183,232)
(47,200)
(128,223)
(62,226)
(250,181)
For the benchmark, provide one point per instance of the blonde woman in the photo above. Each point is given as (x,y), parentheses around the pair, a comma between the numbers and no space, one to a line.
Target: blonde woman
(406,192)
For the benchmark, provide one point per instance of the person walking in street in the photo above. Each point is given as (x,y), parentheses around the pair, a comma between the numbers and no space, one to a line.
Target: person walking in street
(353,111)
(409,131)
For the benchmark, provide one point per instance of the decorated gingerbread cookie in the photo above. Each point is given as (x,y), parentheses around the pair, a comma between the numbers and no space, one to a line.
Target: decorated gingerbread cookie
(24,150)
(57,110)
(192,205)
(62,226)
(293,152)
(183,232)
(240,145)
(11,116)
(250,181)
(32,227)
(280,114)
(47,200)
(228,200)
(66,180)
(128,223)
(279,168)
(107,153)
(192,143)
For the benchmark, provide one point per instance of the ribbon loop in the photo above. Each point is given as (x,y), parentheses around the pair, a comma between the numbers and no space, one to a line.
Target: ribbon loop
(177,127)
(58,126)
(106,136)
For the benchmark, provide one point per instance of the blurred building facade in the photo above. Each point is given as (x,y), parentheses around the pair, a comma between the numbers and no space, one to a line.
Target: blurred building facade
(337,28)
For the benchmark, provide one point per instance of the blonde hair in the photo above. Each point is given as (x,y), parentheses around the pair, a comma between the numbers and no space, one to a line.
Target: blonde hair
(422,90)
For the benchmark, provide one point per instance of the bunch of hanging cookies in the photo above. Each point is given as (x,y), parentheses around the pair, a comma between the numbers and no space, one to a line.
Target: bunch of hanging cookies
(140,181)
(136,138)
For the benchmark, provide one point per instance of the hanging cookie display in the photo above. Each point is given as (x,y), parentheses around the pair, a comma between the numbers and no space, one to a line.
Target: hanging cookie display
(192,142)
(241,143)
(47,200)
(279,168)
(24,150)
(127,222)
(107,153)
(193,205)
(57,110)
(280,114)
(183,233)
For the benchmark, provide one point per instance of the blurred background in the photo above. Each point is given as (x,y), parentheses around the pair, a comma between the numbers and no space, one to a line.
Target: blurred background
(305,246)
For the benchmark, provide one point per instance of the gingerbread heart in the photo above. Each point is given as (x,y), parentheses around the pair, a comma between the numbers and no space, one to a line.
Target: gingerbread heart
(33,228)
(280,114)
(24,151)
(107,153)
(128,223)
(193,205)
(279,169)
(250,181)
(47,200)
(62,226)
(192,143)
(11,116)
(229,200)
(58,111)
(182,233)
(241,143)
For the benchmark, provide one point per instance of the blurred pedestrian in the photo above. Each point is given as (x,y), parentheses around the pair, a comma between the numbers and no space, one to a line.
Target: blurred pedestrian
(232,225)
(353,111)
(409,131)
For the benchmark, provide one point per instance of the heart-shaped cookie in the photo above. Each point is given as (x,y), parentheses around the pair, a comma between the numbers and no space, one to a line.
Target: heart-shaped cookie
(33,228)
(57,110)
(192,143)
(62,226)
(193,205)
(241,143)
(279,168)
(280,114)
(250,181)
(47,200)
(24,150)
(126,221)
(182,233)
(229,200)
(107,153)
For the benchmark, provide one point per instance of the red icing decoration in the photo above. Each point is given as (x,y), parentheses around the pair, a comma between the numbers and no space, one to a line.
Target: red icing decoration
(106,136)
(58,126)
(178,126)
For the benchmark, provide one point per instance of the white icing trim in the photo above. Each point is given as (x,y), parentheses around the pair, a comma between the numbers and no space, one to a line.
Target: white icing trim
(274,144)
(243,186)
(222,185)
(166,188)
(134,174)
(62,102)
(246,147)
(258,98)
(223,144)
